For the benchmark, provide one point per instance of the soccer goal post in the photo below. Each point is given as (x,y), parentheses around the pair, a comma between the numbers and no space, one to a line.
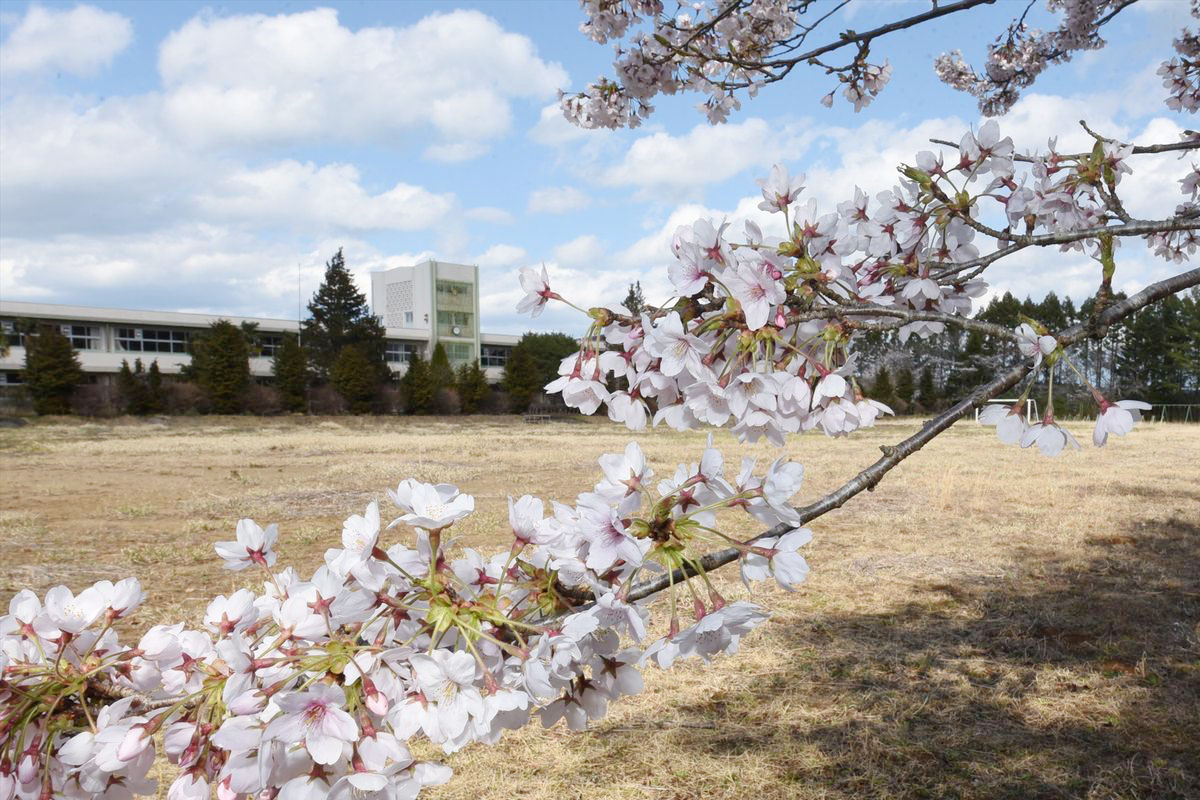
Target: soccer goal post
(1031,408)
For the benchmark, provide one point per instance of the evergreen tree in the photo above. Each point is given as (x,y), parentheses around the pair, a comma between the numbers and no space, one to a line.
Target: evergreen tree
(905,388)
(354,378)
(881,389)
(221,365)
(127,388)
(441,374)
(156,396)
(339,317)
(417,386)
(521,379)
(52,371)
(635,301)
(927,392)
(290,368)
(472,386)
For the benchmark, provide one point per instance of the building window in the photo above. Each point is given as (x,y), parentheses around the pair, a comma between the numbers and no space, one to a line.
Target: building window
(10,379)
(408,319)
(7,326)
(401,352)
(83,337)
(455,294)
(459,352)
(455,323)
(494,355)
(269,344)
(152,340)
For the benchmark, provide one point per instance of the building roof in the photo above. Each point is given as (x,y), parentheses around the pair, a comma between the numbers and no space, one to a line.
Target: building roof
(13,308)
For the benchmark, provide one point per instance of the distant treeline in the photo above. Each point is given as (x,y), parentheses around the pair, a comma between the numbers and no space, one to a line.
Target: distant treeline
(1153,356)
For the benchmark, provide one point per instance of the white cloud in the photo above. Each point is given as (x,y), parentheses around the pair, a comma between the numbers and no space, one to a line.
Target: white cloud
(80,41)
(552,128)
(496,216)
(302,195)
(501,255)
(196,267)
(675,167)
(557,200)
(582,251)
(300,77)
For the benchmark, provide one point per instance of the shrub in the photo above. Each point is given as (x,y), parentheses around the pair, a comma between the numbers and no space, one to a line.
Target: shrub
(388,400)
(185,397)
(95,400)
(446,402)
(326,400)
(262,400)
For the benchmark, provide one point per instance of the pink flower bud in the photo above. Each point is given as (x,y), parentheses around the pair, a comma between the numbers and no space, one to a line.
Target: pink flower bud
(377,703)
(27,768)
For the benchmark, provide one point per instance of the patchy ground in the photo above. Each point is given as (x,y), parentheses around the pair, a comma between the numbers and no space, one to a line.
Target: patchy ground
(987,623)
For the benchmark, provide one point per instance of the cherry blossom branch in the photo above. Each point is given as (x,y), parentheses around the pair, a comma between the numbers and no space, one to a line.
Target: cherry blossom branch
(866,37)
(868,478)
(902,316)
(1022,241)
(1135,228)
(1138,150)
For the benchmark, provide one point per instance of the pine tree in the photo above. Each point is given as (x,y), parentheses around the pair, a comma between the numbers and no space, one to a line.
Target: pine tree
(290,368)
(417,387)
(127,387)
(354,379)
(52,371)
(905,389)
(156,397)
(339,317)
(472,386)
(927,392)
(521,379)
(635,301)
(441,374)
(221,365)
(881,389)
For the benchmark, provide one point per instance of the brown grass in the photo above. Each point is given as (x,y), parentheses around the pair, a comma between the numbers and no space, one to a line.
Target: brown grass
(986,623)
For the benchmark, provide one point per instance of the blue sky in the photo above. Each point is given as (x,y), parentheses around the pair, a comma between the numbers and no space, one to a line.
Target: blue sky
(201,157)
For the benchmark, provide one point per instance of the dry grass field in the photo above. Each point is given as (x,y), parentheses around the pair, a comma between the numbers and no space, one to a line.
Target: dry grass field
(987,623)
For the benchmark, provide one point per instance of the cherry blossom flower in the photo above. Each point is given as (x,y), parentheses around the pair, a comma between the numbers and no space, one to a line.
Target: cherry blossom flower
(447,679)
(433,510)
(316,717)
(537,291)
(779,189)
(1009,421)
(253,546)
(1049,437)
(1117,418)
(73,613)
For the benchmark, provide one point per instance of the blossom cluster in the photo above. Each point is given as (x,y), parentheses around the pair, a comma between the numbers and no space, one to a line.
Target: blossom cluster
(1181,73)
(720,48)
(313,687)
(1018,56)
(683,51)
(761,334)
